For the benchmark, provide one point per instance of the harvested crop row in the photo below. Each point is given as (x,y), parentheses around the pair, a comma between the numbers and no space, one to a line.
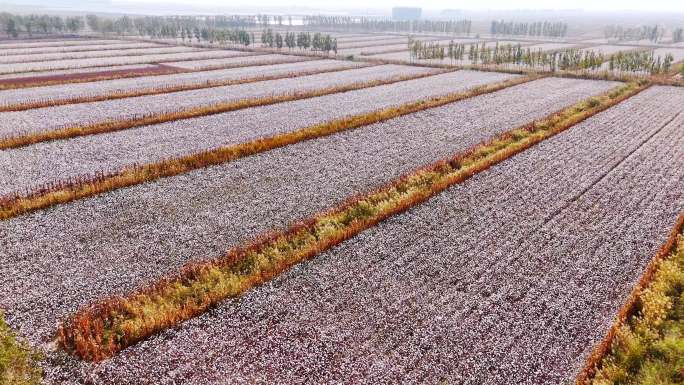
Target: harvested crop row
(249,127)
(204,64)
(12,77)
(77,48)
(309,177)
(14,59)
(21,68)
(501,304)
(85,114)
(19,99)
(59,43)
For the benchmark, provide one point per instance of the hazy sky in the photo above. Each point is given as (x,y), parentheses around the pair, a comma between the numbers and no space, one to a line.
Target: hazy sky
(600,5)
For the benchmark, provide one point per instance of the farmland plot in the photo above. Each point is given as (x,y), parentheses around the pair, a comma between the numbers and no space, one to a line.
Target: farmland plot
(373,43)
(36,120)
(58,43)
(405,56)
(678,54)
(44,162)
(608,50)
(91,54)
(309,176)
(74,48)
(389,47)
(115,61)
(237,61)
(551,46)
(361,38)
(76,71)
(450,291)
(72,91)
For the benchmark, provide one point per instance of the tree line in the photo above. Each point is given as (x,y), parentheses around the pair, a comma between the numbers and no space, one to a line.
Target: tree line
(653,33)
(571,59)
(367,24)
(641,61)
(13,25)
(539,28)
(301,40)
(215,29)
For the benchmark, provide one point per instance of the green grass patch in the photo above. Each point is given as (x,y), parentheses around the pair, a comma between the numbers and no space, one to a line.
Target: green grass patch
(18,363)
(649,348)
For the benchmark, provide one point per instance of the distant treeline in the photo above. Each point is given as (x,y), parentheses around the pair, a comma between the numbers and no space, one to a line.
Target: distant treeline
(301,40)
(539,28)
(13,25)
(366,24)
(678,35)
(652,33)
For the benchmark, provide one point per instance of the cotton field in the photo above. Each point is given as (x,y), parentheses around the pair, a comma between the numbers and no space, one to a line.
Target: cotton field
(249,207)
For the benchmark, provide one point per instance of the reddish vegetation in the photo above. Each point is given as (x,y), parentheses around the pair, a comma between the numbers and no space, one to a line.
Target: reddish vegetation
(44,80)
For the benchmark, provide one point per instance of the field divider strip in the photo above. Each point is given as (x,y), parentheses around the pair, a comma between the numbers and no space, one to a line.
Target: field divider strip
(631,306)
(101,329)
(22,106)
(107,126)
(61,192)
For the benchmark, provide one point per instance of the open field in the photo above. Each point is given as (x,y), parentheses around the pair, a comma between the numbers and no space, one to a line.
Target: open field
(16,59)
(18,68)
(236,61)
(140,84)
(156,142)
(192,210)
(486,283)
(74,48)
(9,77)
(57,43)
(34,120)
(328,178)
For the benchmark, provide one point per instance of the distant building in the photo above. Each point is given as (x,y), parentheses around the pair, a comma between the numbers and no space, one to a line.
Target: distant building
(406,13)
